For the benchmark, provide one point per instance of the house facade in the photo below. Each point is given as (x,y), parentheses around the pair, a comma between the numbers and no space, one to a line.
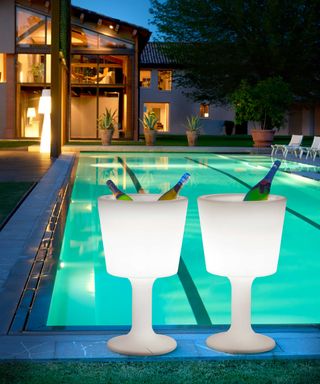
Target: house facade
(102,71)
(159,94)
(108,64)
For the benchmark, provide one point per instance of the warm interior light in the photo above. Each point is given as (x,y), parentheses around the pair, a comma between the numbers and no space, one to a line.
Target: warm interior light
(31,113)
(241,240)
(142,259)
(45,109)
(111,26)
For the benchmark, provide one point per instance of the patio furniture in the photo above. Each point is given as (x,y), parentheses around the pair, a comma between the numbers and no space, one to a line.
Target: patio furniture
(293,146)
(241,240)
(312,150)
(142,241)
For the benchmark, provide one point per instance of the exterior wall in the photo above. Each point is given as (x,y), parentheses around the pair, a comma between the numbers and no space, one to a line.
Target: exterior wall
(7,26)
(180,107)
(7,89)
(307,128)
(317,120)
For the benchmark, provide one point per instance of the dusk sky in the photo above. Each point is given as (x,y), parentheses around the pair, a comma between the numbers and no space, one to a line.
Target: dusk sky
(132,11)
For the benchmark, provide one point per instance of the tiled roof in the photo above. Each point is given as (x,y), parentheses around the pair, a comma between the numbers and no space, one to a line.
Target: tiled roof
(154,54)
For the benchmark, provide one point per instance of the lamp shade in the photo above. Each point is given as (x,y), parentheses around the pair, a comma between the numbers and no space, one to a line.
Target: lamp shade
(45,102)
(241,238)
(142,238)
(31,112)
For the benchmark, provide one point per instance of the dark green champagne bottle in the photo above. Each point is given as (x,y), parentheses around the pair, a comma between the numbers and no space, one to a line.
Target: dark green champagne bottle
(174,191)
(134,179)
(119,195)
(261,190)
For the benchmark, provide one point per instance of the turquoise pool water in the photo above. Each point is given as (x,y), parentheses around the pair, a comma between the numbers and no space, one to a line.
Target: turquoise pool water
(85,295)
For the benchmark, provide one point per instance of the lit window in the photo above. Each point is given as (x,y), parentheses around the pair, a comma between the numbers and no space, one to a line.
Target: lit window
(162,112)
(2,68)
(111,42)
(165,80)
(31,28)
(81,37)
(204,110)
(31,68)
(145,79)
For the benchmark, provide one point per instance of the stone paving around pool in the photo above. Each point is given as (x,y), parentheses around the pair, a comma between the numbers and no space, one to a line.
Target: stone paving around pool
(291,343)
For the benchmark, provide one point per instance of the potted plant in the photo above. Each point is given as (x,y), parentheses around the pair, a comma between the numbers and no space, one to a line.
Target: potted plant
(193,126)
(149,122)
(265,104)
(106,125)
(37,72)
(228,127)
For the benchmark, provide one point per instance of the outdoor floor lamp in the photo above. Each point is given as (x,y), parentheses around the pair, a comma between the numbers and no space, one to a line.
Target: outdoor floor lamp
(45,109)
(241,240)
(142,241)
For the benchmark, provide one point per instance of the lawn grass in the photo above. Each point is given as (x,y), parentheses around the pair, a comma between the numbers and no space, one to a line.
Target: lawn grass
(204,141)
(11,193)
(169,140)
(9,144)
(174,372)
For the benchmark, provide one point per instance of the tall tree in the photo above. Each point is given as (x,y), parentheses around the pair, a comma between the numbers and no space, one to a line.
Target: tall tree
(221,42)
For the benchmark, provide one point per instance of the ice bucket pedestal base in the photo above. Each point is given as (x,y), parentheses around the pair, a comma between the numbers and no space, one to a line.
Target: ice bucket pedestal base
(153,344)
(233,343)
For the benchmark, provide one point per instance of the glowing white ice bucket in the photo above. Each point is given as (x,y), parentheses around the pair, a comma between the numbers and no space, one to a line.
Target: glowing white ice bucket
(142,241)
(241,240)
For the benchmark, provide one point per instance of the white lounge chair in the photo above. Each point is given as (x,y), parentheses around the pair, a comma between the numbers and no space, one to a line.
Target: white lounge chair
(293,146)
(316,152)
(313,150)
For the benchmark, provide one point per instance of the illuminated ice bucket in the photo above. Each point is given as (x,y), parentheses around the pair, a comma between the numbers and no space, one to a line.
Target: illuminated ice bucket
(142,241)
(241,240)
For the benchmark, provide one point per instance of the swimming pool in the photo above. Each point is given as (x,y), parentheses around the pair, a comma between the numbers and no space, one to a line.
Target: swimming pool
(85,295)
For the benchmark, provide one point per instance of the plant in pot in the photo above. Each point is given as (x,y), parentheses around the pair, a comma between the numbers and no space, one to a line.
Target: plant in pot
(106,125)
(193,126)
(265,104)
(149,122)
(228,127)
(37,72)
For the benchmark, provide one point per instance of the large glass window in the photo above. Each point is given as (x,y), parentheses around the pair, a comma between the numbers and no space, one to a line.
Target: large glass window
(30,119)
(111,42)
(165,80)
(32,28)
(84,69)
(162,112)
(110,100)
(145,78)
(84,38)
(33,68)
(102,69)
(204,110)
(2,68)
(83,113)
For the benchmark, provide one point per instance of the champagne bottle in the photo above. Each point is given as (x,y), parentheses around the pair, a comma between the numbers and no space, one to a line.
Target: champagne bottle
(134,179)
(261,190)
(119,195)
(173,192)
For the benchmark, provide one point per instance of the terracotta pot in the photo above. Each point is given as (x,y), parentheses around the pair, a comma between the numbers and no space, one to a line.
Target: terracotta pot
(192,138)
(262,137)
(106,136)
(150,137)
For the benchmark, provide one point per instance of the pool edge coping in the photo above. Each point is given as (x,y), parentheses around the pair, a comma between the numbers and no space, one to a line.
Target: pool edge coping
(21,237)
